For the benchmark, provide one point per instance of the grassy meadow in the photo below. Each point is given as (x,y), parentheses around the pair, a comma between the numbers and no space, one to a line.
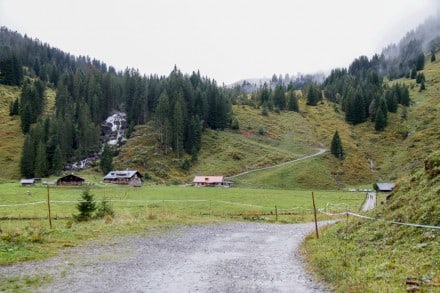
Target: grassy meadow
(25,232)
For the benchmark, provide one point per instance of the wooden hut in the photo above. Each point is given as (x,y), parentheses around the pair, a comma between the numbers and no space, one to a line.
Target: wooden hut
(71,179)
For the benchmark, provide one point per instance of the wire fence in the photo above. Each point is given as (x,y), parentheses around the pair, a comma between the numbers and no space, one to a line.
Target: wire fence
(347,213)
(65,208)
(209,207)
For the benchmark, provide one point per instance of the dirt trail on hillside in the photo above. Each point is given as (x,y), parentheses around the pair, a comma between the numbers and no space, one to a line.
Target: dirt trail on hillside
(233,257)
(320,152)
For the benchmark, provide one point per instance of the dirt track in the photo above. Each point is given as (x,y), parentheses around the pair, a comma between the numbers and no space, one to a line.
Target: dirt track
(234,257)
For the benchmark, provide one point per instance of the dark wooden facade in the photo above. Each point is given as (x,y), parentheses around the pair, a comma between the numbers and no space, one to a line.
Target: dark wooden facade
(71,179)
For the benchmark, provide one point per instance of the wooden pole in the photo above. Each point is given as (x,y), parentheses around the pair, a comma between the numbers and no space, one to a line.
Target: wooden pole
(48,207)
(276,214)
(314,212)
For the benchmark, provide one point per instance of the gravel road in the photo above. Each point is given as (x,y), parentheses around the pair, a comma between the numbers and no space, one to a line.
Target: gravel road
(232,257)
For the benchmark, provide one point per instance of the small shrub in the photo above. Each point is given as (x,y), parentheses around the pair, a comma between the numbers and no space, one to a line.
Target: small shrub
(235,124)
(105,209)
(261,130)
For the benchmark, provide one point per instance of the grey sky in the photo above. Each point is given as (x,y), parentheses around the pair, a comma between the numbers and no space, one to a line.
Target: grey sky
(227,40)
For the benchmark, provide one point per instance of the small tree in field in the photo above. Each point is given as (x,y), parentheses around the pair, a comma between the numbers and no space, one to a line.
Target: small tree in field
(86,206)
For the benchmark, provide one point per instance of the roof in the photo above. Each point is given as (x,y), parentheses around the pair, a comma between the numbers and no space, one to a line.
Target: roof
(385,186)
(71,176)
(27,181)
(121,174)
(208,179)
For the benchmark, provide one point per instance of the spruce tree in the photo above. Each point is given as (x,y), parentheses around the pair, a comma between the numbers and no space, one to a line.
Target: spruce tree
(41,167)
(432,56)
(336,146)
(86,206)
(292,102)
(106,162)
(27,158)
(57,161)
(380,121)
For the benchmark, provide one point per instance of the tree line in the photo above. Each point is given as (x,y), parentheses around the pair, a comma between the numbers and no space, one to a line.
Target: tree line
(87,91)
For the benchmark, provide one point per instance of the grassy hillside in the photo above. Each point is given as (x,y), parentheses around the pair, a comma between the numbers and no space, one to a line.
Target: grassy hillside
(11,137)
(379,255)
(228,152)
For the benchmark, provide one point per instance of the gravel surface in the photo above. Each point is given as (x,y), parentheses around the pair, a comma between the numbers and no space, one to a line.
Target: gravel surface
(233,257)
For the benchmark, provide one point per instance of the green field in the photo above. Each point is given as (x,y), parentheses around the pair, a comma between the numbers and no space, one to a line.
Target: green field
(25,232)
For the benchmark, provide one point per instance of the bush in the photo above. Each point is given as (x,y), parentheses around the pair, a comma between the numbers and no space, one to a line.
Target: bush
(261,130)
(105,209)
(235,124)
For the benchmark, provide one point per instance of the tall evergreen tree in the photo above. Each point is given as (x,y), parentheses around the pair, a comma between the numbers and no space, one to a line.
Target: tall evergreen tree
(313,94)
(380,121)
(264,94)
(432,56)
(279,98)
(106,161)
(41,167)
(292,102)
(336,146)
(178,125)
(57,161)
(27,158)
(391,100)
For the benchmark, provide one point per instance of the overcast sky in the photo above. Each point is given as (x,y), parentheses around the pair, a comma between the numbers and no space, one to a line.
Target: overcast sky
(227,40)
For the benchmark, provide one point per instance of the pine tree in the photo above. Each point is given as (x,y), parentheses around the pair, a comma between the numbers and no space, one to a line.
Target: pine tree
(391,100)
(41,167)
(27,158)
(292,102)
(380,121)
(432,56)
(57,161)
(279,98)
(106,162)
(336,146)
(264,94)
(178,126)
(86,206)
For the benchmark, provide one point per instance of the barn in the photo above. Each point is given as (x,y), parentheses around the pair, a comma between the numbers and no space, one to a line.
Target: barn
(211,181)
(71,179)
(124,177)
(385,187)
(27,182)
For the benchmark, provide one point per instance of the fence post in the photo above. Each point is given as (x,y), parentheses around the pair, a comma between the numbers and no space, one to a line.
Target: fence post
(48,207)
(276,214)
(314,212)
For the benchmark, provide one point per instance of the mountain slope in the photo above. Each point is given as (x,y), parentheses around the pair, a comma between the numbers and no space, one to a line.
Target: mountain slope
(380,255)
(11,137)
